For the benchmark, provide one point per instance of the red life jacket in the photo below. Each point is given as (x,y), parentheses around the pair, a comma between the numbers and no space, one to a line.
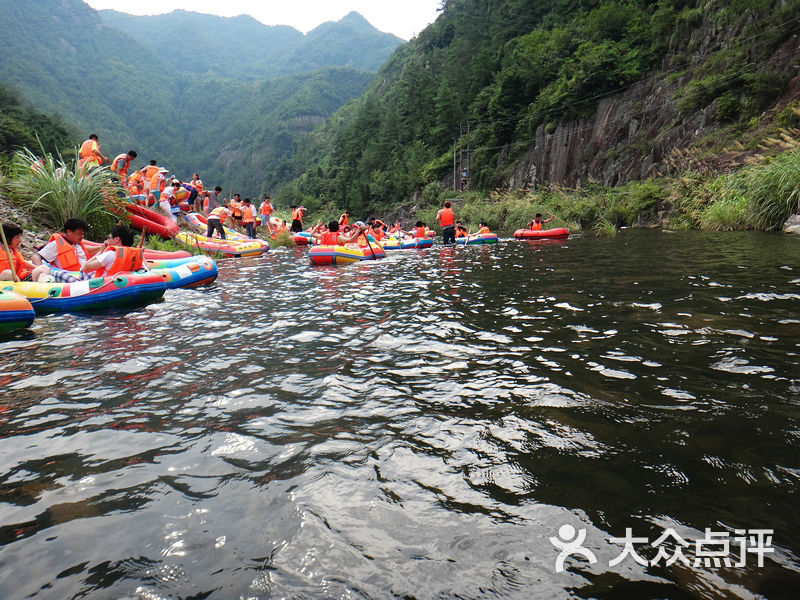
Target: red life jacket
(446,217)
(127,259)
(419,232)
(329,238)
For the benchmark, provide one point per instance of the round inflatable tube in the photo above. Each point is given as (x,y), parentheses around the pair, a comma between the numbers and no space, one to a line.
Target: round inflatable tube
(231,248)
(478,239)
(529,234)
(154,222)
(336,255)
(121,290)
(16,311)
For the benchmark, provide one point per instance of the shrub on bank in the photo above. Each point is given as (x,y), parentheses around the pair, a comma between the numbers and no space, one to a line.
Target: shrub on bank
(52,191)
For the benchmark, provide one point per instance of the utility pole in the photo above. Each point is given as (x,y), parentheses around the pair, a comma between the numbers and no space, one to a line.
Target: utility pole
(455,178)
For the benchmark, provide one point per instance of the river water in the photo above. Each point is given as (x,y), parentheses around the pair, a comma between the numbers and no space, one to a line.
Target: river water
(419,427)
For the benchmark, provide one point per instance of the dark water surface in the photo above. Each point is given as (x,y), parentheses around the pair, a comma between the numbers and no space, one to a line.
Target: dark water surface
(418,427)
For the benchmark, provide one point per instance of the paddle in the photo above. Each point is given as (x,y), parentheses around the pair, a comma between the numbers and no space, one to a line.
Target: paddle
(562,220)
(14,275)
(369,245)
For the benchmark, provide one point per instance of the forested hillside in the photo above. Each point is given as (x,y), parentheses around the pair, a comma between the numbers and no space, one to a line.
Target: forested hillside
(23,126)
(515,73)
(64,60)
(244,49)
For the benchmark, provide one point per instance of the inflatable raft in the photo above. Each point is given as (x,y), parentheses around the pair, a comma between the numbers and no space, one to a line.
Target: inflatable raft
(336,255)
(16,311)
(529,234)
(148,253)
(154,222)
(199,270)
(226,247)
(477,239)
(393,243)
(121,290)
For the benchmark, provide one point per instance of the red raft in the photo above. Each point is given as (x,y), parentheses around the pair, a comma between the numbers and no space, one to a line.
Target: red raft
(154,222)
(530,234)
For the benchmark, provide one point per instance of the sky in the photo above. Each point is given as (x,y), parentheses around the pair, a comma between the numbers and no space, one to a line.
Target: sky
(404,18)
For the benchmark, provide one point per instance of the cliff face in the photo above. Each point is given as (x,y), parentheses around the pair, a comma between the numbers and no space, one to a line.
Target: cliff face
(631,133)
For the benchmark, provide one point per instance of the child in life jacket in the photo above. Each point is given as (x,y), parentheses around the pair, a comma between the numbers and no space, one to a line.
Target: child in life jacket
(26,271)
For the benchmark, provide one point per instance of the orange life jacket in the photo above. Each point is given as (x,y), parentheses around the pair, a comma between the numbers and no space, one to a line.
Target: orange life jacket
(247,214)
(329,238)
(86,153)
(199,185)
(127,259)
(483,230)
(343,220)
(66,257)
(446,217)
(219,213)
(19,263)
(236,209)
(158,181)
(378,234)
(419,232)
(296,215)
(266,208)
(124,170)
(536,226)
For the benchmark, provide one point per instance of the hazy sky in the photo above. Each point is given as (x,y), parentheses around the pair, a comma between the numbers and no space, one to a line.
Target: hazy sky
(404,18)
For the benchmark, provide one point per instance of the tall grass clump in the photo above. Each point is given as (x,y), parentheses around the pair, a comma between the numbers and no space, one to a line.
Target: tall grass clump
(774,190)
(52,191)
(282,238)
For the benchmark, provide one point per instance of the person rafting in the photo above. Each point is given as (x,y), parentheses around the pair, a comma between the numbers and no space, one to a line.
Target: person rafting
(420,230)
(297,218)
(377,231)
(216,218)
(120,166)
(89,154)
(65,251)
(332,236)
(265,211)
(344,218)
(536,224)
(116,255)
(26,271)
(249,218)
(483,228)
(447,220)
(461,231)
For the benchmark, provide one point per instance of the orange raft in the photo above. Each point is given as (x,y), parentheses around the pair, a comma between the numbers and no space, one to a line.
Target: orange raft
(16,311)
(530,234)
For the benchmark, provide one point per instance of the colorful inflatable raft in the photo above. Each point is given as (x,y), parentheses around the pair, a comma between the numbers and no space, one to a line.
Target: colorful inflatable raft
(336,255)
(200,270)
(226,247)
(16,311)
(477,239)
(529,234)
(393,243)
(121,290)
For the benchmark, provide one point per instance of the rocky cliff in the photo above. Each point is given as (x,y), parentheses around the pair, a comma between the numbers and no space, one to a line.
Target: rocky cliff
(632,133)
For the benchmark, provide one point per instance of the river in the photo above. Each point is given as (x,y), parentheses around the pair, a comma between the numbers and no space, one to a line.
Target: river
(432,425)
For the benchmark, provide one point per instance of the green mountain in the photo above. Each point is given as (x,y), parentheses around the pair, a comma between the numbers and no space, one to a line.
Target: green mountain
(64,59)
(244,49)
(23,126)
(555,91)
